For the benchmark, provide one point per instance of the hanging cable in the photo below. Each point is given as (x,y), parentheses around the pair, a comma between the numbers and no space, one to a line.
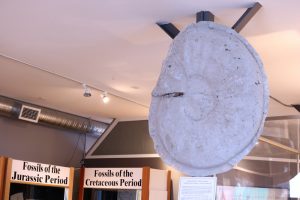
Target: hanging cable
(84,147)
(286,105)
(75,149)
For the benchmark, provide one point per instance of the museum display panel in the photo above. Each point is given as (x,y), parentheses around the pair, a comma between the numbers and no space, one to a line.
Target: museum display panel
(30,180)
(124,184)
(2,174)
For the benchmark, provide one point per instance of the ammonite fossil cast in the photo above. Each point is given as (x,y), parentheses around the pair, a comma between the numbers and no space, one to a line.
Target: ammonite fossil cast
(210,102)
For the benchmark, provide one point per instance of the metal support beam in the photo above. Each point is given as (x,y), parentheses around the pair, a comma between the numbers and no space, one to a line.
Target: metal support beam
(169,29)
(270,159)
(277,144)
(204,16)
(246,17)
(251,171)
(297,107)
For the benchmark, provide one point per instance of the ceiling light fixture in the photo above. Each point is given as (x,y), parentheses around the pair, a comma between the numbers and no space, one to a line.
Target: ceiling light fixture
(105,98)
(87,91)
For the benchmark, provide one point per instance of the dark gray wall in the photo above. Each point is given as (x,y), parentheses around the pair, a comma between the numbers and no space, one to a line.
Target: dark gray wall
(121,137)
(36,143)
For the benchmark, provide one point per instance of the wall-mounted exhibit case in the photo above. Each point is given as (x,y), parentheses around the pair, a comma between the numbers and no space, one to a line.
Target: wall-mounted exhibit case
(124,184)
(2,175)
(30,180)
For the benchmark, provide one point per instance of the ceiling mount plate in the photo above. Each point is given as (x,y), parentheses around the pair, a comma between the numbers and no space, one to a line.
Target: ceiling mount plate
(172,31)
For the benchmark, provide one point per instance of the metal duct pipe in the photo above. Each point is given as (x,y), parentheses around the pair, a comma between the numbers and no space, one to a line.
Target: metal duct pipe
(11,108)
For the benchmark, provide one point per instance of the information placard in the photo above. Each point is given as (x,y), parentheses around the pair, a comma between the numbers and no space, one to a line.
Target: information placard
(195,188)
(113,178)
(294,186)
(38,173)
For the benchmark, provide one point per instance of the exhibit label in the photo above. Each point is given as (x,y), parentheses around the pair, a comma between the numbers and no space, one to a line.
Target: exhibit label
(294,186)
(195,188)
(113,178)
(31,172)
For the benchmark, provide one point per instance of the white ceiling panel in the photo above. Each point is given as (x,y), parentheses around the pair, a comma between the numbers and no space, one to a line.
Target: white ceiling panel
(116,46)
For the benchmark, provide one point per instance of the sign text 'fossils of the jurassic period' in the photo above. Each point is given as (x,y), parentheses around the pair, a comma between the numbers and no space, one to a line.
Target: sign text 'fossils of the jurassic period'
(31,172)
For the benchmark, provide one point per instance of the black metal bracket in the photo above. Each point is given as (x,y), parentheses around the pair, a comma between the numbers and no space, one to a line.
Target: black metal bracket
(297,107)
(171,30)
(204,16)
(246,17)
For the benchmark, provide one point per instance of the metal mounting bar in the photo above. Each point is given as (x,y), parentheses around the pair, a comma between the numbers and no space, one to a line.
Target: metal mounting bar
(246,17)
(172,31)
(277,144)
(204,16)
(169,29)
(297,107)
(251,171)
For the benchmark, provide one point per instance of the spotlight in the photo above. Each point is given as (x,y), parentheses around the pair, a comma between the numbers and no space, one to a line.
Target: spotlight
(87,91)
(105,98)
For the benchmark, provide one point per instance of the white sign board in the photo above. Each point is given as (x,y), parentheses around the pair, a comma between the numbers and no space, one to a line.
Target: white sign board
(113,178)
(31,172)
(196,188)
(294,187)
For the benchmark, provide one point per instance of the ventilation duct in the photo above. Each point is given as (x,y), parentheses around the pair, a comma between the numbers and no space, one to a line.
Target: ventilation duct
(12,108)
